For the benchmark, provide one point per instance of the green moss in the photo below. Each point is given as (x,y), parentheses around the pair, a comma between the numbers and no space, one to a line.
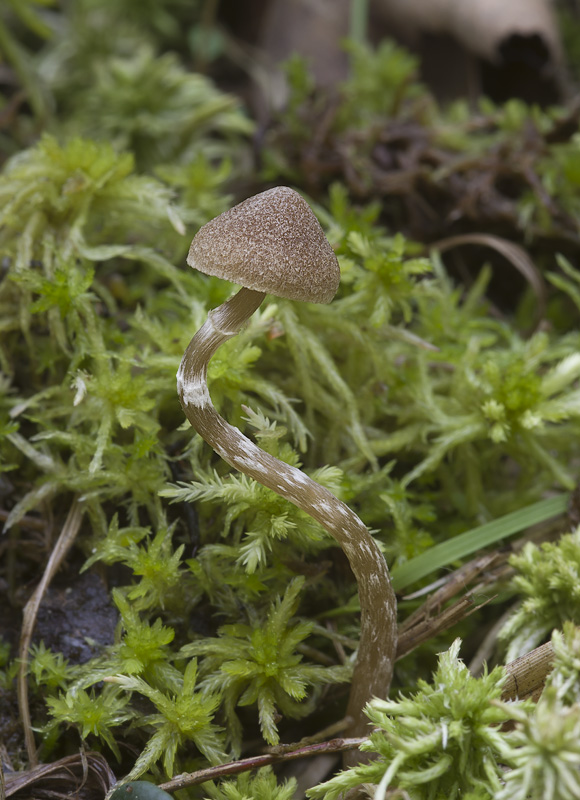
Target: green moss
(259,664)
(411,396)
(443,741)
(262,785)
(547,581)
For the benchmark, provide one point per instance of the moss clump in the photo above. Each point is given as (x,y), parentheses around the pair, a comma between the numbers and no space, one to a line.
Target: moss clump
(419,396)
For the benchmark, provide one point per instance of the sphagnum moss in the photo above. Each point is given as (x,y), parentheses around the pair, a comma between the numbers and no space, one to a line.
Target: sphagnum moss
(368,393)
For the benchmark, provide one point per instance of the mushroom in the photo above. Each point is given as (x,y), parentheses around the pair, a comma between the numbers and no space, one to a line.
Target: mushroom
(273,243)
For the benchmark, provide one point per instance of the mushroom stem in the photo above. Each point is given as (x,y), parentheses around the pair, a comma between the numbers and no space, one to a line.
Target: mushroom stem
(376,653)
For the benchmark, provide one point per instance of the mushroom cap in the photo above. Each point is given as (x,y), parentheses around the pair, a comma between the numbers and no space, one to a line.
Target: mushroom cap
(272,243)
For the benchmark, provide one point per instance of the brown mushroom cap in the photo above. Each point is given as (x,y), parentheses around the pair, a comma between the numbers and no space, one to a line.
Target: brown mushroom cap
(271,242)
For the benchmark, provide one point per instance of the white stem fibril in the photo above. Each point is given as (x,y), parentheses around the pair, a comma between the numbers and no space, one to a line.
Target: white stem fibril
(193,391)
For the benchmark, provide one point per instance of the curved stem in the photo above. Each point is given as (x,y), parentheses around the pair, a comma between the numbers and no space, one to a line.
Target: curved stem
(378,639)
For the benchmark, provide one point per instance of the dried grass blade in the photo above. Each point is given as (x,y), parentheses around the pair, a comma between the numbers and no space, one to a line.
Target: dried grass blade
(65,540)
(510,251)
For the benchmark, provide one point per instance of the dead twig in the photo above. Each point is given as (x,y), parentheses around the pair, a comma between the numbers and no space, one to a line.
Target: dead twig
(255,762)
(431,627)
(454,583)
(428,620)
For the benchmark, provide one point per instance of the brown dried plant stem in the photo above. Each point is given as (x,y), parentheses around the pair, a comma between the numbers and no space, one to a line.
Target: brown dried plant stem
(378,640)
(257,762)
(61,548)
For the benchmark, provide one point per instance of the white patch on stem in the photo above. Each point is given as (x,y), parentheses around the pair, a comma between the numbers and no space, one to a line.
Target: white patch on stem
(192,392)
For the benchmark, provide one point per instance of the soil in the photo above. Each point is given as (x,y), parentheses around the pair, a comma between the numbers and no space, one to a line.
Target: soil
(76,617)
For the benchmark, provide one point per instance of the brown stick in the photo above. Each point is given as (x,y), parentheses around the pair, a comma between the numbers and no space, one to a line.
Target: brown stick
(255,762)
(64,541)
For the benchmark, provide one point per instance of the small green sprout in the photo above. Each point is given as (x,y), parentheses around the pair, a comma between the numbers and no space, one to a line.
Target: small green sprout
(380,81)
(144,650)
(144,646)
(548,579)
(544,750)
(565,675)
(443,741)
(259,664)
(49,669)
(94,714)
(261,786)
(152,559)
(180,717)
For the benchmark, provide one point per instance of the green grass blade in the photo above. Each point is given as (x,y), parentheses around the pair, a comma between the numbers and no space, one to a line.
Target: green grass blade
(359,13)
(441,555)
